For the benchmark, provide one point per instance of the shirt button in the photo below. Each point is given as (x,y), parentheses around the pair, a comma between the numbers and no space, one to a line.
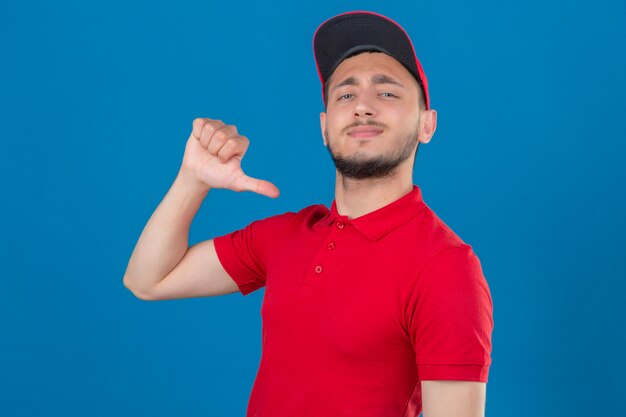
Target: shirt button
(331,245)
(318,269)
(340,225)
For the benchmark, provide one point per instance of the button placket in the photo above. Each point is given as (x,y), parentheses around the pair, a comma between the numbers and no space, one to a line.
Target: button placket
(321,268)
(330,246)
(322,264)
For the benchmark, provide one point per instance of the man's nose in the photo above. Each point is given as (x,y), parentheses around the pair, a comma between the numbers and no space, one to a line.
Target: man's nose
(365,106)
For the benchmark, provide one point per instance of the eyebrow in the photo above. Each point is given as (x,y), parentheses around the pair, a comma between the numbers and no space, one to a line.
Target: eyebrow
(376,79)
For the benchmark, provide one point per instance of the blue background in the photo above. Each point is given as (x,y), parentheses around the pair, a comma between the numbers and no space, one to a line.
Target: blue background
(96,103)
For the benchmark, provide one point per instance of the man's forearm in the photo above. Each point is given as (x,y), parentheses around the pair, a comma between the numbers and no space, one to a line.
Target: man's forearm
(165,238)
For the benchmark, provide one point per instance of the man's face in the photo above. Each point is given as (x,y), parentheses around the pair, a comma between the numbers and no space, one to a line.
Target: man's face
(372,119)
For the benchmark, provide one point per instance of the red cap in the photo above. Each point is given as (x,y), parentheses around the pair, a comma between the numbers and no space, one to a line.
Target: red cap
(349,33)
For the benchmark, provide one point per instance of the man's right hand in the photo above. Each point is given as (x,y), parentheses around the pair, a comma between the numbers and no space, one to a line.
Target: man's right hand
(213,158)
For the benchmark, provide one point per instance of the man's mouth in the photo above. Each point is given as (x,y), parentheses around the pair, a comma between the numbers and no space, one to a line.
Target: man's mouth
(364,132)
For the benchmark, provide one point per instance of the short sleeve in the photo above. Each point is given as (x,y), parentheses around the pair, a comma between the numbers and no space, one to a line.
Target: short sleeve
(241,255)
(450,318)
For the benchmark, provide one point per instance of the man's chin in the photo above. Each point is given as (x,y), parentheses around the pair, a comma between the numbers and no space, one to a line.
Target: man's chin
(360,157)
(364,168)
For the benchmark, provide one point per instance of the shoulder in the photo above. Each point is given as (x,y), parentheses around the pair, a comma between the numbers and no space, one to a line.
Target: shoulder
(289,220)
(262,235)
(433,235)
(450,255)
(306,214)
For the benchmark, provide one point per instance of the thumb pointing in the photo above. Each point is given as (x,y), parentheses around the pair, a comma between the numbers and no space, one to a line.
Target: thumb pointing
(259,186)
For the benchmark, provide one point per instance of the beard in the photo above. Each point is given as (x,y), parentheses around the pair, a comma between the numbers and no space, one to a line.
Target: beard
(359,166)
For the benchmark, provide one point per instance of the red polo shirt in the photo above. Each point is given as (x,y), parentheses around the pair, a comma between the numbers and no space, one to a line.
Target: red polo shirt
(357,311)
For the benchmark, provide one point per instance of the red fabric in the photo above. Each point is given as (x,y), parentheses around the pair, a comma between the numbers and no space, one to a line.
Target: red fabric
(357,311)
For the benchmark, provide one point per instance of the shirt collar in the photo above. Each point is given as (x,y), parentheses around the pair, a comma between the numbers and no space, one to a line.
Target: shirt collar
(378,223)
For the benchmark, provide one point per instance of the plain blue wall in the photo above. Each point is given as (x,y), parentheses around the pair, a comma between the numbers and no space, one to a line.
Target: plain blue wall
(96,103)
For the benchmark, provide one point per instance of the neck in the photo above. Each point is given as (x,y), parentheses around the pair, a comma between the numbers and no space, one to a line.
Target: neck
(355,198)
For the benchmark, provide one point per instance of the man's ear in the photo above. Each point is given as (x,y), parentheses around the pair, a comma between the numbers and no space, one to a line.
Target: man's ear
(323,127)
(428,125)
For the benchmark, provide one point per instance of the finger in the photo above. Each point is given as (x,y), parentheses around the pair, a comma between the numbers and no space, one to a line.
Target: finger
(196,129)
(219,138)
(235,146)
(258,186)
(209,128)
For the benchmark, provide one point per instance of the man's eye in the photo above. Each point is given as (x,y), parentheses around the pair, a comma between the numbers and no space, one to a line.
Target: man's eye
(345,96)
(387,94)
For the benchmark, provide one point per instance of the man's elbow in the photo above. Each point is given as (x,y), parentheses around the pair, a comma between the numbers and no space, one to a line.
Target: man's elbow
(142,295)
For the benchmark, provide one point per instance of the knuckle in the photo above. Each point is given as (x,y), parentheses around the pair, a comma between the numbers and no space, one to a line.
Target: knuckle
(215,123)
(223,156)
(243,143)
(220,135)
(231,143)
(208,128)
(227,150)
(196,127)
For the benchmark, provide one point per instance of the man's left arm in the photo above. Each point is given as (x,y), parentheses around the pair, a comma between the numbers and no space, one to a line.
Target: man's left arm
(450,319)
(453,398)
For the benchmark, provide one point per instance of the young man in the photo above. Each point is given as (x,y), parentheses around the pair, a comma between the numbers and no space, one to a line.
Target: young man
(373,307)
